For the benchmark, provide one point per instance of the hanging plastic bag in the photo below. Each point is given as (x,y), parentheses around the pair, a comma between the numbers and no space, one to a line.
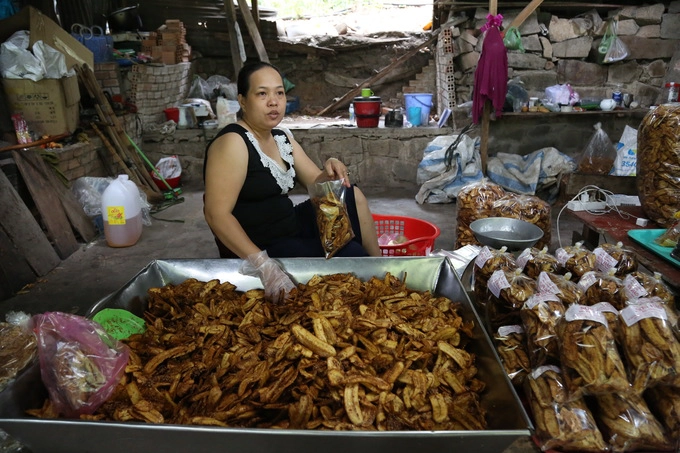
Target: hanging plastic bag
(335,229)
(612,48)
(626,153)
(80,364)
(599,155)
(513,39)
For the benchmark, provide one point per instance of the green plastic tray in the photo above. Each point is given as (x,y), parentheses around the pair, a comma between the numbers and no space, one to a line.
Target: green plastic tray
(118,323)
(646,239)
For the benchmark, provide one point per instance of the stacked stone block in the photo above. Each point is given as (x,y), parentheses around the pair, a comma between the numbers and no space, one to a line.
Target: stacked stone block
(153,88)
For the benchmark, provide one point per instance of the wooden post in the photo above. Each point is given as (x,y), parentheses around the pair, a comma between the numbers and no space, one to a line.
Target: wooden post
(486,113)
(235,40)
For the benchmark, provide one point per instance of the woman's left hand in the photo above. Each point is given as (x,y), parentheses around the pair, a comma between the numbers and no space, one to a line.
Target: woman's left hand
(337,170)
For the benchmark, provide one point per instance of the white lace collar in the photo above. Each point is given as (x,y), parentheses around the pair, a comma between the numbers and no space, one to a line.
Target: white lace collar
(284,178)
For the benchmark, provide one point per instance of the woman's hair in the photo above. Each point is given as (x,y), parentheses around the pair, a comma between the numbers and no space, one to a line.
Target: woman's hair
(243,81)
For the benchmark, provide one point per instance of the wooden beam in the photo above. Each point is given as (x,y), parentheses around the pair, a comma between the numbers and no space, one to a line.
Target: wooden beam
(235,39)
(382,73)
(526,12)
(252,30)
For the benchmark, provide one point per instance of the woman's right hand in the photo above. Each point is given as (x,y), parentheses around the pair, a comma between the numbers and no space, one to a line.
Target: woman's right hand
(277,284)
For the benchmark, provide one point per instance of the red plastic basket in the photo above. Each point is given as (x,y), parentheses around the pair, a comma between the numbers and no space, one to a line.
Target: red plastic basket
(420,234)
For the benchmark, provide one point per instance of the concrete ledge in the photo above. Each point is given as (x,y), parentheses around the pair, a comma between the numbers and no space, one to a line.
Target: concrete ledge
(379,156)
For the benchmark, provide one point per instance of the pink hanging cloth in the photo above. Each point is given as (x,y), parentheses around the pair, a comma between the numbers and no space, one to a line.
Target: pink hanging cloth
(491,75)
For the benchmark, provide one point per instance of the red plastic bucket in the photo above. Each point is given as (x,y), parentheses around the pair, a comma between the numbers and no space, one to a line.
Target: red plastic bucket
(172,113)
(367,111)
(368,120)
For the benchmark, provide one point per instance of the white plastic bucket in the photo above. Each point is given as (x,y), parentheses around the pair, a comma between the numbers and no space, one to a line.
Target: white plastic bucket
(422,100)
(121,212)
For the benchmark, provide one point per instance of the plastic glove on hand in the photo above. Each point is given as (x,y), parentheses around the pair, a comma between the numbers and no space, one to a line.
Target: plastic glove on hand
(277,284)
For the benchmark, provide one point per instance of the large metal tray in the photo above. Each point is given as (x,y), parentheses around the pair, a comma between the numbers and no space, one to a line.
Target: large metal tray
(507,420)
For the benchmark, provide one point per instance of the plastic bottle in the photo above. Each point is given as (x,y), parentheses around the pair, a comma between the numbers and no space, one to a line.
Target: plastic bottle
(121,212)
(617,95)
(351,114)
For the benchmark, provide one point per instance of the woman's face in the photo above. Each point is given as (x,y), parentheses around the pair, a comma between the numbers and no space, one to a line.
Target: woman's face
(265,103)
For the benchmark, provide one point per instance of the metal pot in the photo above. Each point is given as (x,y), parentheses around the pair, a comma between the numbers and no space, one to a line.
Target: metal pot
(125,19)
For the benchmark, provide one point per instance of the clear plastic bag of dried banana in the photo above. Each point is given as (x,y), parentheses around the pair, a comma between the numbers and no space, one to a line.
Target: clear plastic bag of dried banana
(510,342)
(615,256)
(671,236)
(576,259)
(335,229)
(611,314)
(529,208)
(590,360)
(641,284)
(664,401)
(533,261)
(488,261)
(80,363)
(539,317)
(562,422)
(562,286)
(18,347)
(475,201)
(508,291)
(627,424)
(658,163)
(603,287)
(649,344)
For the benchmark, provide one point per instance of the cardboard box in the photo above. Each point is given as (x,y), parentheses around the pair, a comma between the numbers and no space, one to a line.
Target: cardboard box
(49,106)
(41,27)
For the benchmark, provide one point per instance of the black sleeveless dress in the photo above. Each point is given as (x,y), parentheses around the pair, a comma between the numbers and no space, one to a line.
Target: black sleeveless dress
(268,215)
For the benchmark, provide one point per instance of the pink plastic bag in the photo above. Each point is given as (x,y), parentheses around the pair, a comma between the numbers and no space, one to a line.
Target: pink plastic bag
(80,363)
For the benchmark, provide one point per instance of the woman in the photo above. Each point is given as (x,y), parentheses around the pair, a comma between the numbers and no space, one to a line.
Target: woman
(249,168)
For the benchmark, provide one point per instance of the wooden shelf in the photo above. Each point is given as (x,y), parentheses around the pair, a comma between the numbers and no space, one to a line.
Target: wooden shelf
(620,113)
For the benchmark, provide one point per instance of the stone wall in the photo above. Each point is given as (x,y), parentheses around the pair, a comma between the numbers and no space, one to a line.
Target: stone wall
(376,156)
(561,50)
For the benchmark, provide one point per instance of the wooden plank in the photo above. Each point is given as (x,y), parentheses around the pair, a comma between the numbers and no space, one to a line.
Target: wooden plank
(23,230)
(52,214)
(252,30)
(42,141)
(74,211)
(526,12)
(15,272)
(379,76)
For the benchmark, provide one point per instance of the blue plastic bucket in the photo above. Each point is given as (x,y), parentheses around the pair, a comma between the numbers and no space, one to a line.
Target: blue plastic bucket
(422,100)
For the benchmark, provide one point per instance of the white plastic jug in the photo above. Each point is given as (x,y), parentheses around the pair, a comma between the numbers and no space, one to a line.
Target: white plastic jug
(121,212)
